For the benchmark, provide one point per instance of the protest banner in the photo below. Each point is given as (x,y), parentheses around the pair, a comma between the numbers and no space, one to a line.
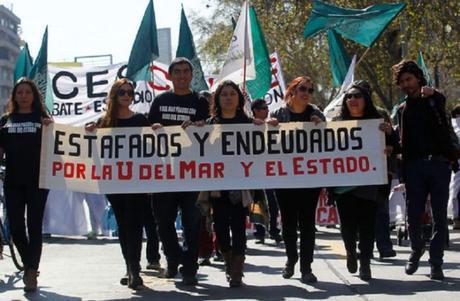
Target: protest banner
(213,157)
(79,93)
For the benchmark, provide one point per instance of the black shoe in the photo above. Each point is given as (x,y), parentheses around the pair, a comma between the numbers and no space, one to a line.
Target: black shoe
(170,272)
(135,282)
(124,279)
(414,259)
(276,237)
(365,269)
(204,261)
(352,262)
(288,271)
(189,280)
(154,265)
(308,278)
(436,272)
(260,240)
(218,257)
(387,253)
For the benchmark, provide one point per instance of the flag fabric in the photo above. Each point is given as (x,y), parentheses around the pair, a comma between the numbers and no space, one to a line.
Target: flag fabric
(333,108)
(145,47)
(240,53)
(186,48)
(23,64)
(426,71)
(364,26)
(260,86)
(39,71)
(338,58)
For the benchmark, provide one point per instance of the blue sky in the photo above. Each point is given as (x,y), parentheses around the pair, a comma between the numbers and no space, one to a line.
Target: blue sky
(93,27)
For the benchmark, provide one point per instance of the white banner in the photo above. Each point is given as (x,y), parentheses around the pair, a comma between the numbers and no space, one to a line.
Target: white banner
(275,95)
(213,157)
(79,93)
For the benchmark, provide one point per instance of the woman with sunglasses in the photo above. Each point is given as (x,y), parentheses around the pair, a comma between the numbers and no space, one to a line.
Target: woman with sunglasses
(298,206)
(128,208)
(357,206)
(20,141)
(230,206)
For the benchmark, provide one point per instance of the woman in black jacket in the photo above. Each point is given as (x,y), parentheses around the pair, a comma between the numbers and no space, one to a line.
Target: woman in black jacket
(357,206)
(298,206)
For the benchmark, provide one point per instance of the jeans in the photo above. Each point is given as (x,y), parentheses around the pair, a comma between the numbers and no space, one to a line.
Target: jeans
(298,209)
(165,207)
(29,243)
(423,178)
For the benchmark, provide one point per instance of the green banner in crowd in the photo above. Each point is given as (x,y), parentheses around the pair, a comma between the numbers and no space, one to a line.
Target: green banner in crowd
(23,64)
(363,26)
(186,48)
(338,58)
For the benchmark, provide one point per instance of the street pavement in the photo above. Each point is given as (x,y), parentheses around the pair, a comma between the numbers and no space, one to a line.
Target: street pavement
(74,268)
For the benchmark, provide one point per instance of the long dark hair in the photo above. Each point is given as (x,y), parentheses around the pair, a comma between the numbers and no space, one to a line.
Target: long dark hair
(111,115)
(12,106)
(216,109)
(370,111)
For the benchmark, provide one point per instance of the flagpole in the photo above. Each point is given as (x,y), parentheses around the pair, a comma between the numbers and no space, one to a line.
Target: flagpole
(362,56)
(244,52)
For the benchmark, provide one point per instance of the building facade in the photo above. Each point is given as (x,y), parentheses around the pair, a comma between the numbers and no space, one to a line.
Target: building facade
(9,51)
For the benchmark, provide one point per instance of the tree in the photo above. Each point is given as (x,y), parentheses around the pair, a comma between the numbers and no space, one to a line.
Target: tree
(429,26)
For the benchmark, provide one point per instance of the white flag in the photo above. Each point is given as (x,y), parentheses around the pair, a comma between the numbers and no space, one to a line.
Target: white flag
(240,50)
(333,108)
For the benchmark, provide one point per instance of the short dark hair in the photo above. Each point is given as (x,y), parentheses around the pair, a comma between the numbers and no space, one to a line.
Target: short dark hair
(257,104)
(406,66)
(179,61)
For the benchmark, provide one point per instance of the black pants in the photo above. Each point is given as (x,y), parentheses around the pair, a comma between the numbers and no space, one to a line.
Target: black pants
(423,178)
(129,213)
(165,207)
(150,224)
(357,217)
(273,212)
(28,244)
(382,221)
(298,208)
(229,217)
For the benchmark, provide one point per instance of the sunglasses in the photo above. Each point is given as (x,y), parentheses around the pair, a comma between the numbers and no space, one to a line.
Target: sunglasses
(355,95)
(122,92)
(306,89)
(262,108)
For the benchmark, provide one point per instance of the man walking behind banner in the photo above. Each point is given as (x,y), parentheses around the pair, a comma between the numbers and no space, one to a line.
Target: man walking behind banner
(427,151)
(181,106)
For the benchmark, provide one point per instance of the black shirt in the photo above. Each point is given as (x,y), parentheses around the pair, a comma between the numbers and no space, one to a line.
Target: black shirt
(239,118)
(420,136)
(20,138)
(305,116)
(137,120)
(172,109)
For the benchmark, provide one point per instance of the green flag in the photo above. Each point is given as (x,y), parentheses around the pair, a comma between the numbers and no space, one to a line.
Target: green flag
(339,60)
(23,64)
(260,86)
(426,71)
(363,26)
(39,72)
(145,47)
(186,48)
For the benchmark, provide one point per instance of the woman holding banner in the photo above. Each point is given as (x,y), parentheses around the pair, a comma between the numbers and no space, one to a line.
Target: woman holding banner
(357,206)
(298,206)
(230,206)
(20,141)
(128,208)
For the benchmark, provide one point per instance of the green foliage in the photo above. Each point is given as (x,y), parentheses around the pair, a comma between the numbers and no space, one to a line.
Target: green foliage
(429,26)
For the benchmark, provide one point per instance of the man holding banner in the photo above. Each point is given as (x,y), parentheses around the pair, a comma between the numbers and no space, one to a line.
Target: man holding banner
(183,107)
